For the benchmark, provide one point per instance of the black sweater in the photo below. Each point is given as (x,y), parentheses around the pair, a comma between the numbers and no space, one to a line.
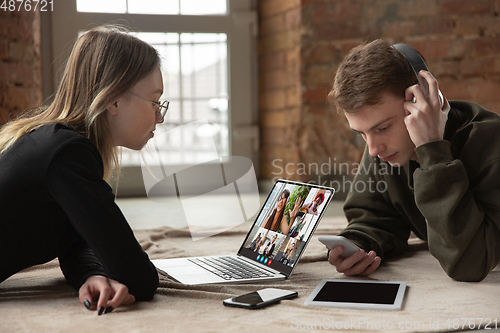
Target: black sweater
(55,203)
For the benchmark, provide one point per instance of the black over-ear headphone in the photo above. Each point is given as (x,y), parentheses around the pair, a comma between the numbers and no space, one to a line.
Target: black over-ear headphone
(417,63)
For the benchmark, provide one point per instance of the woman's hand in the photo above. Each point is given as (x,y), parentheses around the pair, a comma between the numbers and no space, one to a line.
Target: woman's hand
(296,207)
(104,294)
(285,225)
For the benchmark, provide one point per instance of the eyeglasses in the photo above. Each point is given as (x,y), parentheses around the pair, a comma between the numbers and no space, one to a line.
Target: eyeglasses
(161,107)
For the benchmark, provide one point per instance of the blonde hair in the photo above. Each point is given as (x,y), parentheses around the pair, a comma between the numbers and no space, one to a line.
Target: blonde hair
(104,64)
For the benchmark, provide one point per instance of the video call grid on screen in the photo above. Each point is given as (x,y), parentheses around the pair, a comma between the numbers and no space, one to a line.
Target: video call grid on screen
(287,246)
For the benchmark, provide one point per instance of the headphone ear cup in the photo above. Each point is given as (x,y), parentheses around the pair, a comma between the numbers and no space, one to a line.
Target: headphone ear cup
(417,63)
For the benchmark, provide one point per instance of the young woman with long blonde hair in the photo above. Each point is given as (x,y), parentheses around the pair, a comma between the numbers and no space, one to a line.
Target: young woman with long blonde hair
(54,163)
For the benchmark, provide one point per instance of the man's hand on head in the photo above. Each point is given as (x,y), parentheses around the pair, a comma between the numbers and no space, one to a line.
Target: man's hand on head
(425,120)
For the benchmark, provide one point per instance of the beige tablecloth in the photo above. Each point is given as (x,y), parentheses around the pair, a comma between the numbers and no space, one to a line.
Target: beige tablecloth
(39,300)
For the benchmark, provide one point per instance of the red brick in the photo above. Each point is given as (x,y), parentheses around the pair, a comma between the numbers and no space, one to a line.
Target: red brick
(381,11)
(274,7)
(270,153)
(273,135)
(477,90)
(293,18)
(22,98)
(484,46)
(480,67)
(271,61)
(338,30)
(272,99)
(437,48)
(319,74)
(4,115)
(316,110)
(398,29)
(486,90)
(272,169)
(417,8)
(347,46)
(4,49)
(292,58)
(332,11)
(453,89)
(470,25)
(24,31)
(274,118)
(21,52)
(434,25)
(320,53)
(17,74)
(445,68)
(275,79)
(293,96)
(271,25)
(315,95)
(479,25)
(465,7)
(279,42)
(306,3)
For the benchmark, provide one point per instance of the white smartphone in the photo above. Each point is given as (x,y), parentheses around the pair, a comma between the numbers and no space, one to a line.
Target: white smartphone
(332,241)
(260,298)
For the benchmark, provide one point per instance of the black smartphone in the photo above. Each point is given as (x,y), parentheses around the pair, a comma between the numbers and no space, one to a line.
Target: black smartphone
(260,298)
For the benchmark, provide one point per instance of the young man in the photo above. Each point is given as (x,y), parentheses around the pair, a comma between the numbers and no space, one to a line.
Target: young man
(440,168)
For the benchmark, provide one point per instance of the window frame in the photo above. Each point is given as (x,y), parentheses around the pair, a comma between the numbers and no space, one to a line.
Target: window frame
(60,29)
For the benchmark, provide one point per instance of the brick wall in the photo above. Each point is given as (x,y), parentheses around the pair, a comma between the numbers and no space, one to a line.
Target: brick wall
(20,63)
(303,41)
(280,101)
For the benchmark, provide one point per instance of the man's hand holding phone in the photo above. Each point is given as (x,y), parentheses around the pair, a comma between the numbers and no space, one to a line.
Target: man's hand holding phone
(348,258)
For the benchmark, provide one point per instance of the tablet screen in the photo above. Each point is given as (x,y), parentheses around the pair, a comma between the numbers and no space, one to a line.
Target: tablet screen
(358,292)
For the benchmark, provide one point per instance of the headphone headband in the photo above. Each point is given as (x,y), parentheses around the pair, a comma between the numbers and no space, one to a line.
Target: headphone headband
(417,63)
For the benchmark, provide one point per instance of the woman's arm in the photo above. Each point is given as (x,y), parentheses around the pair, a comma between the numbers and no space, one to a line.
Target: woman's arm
(74,179)
(285,225)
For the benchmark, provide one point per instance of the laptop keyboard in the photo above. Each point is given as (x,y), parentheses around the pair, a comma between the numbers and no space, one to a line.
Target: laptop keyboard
(230,268)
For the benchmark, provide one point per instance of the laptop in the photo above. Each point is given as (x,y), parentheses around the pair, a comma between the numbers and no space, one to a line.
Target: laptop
(272,247)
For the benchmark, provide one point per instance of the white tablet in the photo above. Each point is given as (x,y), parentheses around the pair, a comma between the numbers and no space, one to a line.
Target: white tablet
(358,294)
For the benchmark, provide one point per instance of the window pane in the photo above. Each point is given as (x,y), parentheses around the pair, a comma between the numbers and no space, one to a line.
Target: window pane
(155,7)
(99,6)
(203,7)
(194,68)
(161,7)
(203,65)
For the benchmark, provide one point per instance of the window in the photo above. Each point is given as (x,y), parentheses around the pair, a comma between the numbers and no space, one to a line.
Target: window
(208,54)
(155,7)
(194,67)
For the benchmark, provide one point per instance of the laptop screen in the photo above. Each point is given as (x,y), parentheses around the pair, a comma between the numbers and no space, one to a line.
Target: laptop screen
(285,224)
